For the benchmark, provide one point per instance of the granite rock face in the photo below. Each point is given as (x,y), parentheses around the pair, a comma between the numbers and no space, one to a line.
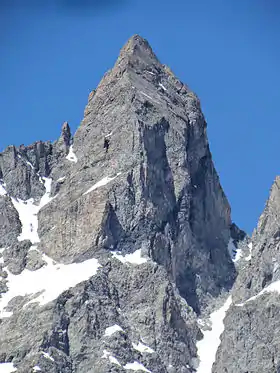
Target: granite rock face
(150,210)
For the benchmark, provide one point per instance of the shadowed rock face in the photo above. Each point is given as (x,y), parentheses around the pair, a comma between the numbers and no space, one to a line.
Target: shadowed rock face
(164,197)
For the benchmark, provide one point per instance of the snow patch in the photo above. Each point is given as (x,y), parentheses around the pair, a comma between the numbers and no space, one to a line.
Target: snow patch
(61,179)
(235,253)
(105,354)
(7,368)
(134,258)
(28,212)
(207,347)
(142,348)
(36,368)
(101,183)
(136,366)
(249,257)
(47,356)
(30,164)
(2,189)
(27,162)
(109,134)
(112,359)
(162,86)
(71,155)
(112,329)
(273,287)
(47,282)
(1,258)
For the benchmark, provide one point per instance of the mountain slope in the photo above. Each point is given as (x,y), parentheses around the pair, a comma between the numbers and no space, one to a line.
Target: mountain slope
(106,253)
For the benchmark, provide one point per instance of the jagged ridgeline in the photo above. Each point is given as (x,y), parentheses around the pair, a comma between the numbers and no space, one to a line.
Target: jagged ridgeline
(117,243)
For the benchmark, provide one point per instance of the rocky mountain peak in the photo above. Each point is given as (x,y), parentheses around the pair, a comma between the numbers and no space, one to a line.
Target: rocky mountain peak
(135,57)
(159,149)
(137,48)
(120,248)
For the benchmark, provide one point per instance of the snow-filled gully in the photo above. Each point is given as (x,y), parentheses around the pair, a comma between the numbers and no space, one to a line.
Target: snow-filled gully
(28,213)
(48,282)
(208,346)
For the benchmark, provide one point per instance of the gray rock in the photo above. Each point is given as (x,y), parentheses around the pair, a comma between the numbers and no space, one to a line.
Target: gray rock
(34,260)
(10,226)
(15,256)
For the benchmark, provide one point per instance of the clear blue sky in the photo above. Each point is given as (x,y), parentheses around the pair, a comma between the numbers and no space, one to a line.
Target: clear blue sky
(227,51)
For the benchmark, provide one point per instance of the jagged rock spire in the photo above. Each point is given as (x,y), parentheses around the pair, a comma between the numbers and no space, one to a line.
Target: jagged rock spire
(66,134)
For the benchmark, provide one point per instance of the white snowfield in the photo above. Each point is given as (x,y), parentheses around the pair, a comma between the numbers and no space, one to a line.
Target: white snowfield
(28,213)
(71,156)
(208,346)
(47,283)
(142,348)
(134,258)
(136,367)
(101,183)
(112,329)
(7,368)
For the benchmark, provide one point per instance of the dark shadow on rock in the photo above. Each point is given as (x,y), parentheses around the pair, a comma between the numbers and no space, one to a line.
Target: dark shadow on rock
(112,230)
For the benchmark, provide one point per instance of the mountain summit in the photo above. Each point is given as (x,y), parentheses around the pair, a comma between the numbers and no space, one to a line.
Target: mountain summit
(117,243)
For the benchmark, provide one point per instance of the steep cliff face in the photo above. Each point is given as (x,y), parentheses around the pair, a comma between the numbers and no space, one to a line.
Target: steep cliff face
(104,253)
